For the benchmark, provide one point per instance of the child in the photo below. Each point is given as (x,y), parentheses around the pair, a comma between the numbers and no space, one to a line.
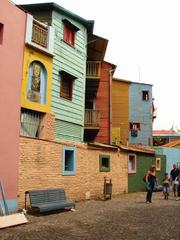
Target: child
(166,185)
(178,186)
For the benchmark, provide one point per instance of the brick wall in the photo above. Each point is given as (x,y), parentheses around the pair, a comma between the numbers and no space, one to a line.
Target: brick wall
(47,126)
(40,167)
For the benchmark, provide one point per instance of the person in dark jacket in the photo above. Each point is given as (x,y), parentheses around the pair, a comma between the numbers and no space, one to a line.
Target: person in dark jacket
(150,183)
(173,175)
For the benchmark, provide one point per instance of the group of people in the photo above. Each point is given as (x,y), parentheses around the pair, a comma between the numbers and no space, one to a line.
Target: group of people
(174,180)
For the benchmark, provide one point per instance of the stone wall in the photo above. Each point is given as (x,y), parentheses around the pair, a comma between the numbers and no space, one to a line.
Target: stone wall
(40,167)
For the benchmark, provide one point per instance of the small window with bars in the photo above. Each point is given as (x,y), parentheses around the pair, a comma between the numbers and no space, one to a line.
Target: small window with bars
(30,123)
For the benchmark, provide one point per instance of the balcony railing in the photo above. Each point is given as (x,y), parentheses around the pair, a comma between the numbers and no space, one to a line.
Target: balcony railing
(92,118)
(93,69)
(39,34)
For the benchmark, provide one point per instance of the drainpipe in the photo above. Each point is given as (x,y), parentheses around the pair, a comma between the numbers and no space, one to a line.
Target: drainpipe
(110,102)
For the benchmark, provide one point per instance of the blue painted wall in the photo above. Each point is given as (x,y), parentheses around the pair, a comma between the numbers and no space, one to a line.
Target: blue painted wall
(140,111)
(172,156)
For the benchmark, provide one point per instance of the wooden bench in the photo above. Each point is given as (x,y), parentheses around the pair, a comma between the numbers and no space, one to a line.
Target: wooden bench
(48,200)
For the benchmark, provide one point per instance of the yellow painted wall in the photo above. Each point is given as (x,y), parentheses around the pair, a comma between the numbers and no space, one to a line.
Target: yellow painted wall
(31,55)
(120,109)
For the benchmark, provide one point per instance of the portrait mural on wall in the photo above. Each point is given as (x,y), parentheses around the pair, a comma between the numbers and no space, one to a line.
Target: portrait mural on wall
(34,93)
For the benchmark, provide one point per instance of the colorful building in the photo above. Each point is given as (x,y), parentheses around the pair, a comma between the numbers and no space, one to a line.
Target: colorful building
(120,111)
(98,123)
(37,78)
(69,67)
(12,35)
(140,114)
(139,161)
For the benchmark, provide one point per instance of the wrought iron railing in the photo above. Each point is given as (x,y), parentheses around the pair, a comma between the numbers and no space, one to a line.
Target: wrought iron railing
(92,118)
(39,34)
(93,69)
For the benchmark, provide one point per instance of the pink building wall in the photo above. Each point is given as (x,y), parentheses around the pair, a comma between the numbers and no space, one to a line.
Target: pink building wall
(12,23)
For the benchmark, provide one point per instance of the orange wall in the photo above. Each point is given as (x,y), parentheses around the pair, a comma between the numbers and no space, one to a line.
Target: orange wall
(102,103)
(11,64)
(120,108)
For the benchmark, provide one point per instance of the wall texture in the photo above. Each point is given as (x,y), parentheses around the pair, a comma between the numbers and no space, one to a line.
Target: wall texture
(11,65)
(140,111)
(41,161)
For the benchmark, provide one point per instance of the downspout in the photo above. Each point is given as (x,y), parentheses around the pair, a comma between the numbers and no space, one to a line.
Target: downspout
(110,103)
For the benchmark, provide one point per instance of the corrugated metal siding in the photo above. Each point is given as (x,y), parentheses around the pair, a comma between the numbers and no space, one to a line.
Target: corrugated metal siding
(72,60)
(68,131)
(140,111)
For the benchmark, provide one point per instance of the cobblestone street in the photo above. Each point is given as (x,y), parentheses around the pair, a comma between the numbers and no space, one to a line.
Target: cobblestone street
(123,218)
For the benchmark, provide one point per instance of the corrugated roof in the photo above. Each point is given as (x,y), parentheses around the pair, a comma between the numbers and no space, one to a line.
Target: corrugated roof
(165,133)
(171,144)
(137,148)
(134,148)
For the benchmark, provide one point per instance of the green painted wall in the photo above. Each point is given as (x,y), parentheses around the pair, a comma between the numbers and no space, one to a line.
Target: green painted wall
(69,114)
(143,162)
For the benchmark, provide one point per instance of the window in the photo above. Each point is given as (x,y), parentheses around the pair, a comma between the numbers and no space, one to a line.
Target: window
(69,161)
(37,78)
(1,33)
(30,123)
(131,163)
(104,163)
(145,95)
(69,32)
(158,164)
(134,126)
(66,85)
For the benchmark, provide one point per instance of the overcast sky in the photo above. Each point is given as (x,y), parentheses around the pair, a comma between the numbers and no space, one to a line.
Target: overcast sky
(144,43)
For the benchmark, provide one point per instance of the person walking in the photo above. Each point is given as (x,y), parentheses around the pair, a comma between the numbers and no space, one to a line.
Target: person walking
(150,183)
(166,186)
(173,175)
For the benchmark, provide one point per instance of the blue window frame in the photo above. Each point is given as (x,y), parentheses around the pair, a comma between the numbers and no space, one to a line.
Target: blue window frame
(69,161)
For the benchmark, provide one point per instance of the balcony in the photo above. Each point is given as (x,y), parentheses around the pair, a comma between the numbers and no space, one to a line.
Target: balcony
(92,119)
(93,69)
(39,34)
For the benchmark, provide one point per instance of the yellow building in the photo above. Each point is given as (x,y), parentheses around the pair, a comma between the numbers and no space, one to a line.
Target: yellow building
(37,80)
(120,111)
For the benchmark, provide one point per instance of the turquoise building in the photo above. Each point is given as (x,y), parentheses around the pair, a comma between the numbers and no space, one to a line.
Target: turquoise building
(140,114)
(69,67)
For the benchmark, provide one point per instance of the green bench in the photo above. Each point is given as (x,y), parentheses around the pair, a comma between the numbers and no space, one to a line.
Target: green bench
(48,200)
